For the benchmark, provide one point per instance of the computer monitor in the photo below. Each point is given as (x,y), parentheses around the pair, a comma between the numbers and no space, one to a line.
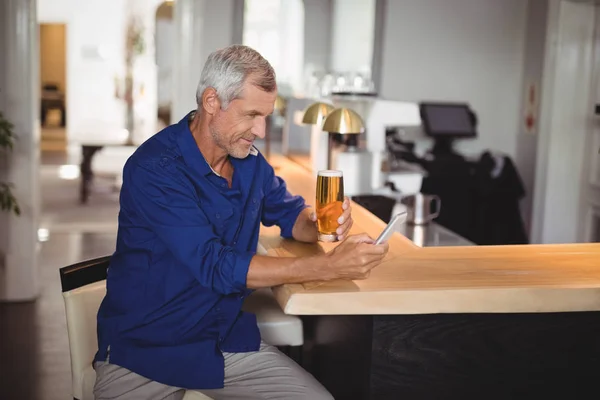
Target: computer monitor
(448,120)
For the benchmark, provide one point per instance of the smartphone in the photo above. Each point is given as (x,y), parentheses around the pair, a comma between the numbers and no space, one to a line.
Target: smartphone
(390,228)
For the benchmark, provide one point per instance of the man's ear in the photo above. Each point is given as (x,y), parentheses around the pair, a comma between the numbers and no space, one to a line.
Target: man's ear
(210,101)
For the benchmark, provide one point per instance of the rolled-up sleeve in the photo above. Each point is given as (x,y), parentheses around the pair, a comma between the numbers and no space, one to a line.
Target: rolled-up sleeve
(280,207)
(171,210)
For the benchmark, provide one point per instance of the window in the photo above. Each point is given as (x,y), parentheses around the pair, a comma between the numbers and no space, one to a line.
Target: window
(275,28)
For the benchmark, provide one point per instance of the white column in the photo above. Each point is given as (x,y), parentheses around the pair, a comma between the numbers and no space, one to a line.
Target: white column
(319,148)
(19,102)
(201,27)
(187,62)
(564,122)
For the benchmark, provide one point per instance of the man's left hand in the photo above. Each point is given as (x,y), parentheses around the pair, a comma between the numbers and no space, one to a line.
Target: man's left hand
(345,220)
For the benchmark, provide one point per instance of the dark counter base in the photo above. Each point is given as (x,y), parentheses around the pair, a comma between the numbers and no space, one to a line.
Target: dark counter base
(456,356)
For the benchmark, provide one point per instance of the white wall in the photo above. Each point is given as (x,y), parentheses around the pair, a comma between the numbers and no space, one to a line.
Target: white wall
(459,50)
(95,58)
(90,79)
(98,26)
(352,35)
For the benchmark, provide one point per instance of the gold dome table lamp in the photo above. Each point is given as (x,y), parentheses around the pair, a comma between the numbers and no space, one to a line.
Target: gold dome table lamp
(315,115)
(342,121)
(344,126)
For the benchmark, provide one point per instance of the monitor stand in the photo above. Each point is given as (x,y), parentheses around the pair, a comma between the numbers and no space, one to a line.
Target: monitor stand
(442,148)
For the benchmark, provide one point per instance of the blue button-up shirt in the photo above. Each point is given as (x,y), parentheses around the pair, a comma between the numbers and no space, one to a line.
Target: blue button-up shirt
(177,280)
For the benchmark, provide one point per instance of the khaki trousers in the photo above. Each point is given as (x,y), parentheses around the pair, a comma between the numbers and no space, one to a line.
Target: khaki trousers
(264,374)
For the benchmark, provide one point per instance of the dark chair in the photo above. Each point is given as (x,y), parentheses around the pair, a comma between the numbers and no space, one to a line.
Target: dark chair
(83,288)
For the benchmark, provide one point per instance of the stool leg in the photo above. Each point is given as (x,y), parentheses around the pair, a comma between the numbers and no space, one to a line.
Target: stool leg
(87,155)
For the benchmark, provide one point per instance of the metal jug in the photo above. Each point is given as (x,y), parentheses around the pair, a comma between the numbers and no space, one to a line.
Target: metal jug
(419,208)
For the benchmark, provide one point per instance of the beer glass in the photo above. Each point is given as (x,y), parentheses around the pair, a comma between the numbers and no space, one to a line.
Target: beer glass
(330,197)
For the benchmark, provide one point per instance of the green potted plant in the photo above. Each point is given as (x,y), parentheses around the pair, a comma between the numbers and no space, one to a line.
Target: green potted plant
(8,202)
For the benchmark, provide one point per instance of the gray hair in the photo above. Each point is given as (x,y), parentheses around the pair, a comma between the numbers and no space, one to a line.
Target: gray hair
(227,69)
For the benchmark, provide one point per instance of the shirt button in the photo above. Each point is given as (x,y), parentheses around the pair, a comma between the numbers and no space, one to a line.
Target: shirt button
(254,201)
(218,216)
(234,243)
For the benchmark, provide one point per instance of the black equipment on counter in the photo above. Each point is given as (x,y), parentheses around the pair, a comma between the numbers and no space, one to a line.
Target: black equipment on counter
(446,122)
(481,199)
(451,120)
(400,149)
(380,206)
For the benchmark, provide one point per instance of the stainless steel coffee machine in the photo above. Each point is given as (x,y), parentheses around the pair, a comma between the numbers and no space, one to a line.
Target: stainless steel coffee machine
(365,157)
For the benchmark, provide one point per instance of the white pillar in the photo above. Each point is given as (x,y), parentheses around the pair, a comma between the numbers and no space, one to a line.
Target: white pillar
(187,62)
(19,102)
(319,148)
(201,27)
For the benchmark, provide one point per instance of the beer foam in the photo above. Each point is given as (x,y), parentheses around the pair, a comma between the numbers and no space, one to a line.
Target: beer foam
(331,173)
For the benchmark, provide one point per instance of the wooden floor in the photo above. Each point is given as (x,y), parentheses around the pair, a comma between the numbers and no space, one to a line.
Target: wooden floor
(53,138)
(34,350)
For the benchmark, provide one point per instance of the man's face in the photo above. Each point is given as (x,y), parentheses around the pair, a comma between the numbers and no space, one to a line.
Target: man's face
(235,128)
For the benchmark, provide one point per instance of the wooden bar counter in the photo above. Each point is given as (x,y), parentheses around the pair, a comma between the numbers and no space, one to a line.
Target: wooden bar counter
(493,322)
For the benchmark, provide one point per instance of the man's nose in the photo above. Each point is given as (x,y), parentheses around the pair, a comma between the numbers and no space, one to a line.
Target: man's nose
(259,127)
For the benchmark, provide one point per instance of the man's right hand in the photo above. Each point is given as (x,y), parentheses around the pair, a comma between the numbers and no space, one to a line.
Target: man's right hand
(354,258)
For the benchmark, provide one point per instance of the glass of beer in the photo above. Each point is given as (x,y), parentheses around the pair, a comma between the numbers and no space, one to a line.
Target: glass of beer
(330,197)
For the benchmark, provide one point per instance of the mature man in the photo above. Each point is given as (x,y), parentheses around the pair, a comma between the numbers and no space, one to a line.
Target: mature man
(192,201)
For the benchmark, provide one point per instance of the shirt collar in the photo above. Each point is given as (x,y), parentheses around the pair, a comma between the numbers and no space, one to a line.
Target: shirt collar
(191,152)
(189,148)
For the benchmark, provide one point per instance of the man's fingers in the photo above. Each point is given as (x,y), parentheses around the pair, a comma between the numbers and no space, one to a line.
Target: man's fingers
(344,227)
(343,230)
(361,238)
(376,250)
(344,217)
(346,204)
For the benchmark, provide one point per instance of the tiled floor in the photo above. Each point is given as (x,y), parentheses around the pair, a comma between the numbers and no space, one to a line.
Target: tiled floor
(34,350)
(53,138)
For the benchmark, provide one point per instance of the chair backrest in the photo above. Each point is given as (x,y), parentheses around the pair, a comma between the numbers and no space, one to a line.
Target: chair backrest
(83,287)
